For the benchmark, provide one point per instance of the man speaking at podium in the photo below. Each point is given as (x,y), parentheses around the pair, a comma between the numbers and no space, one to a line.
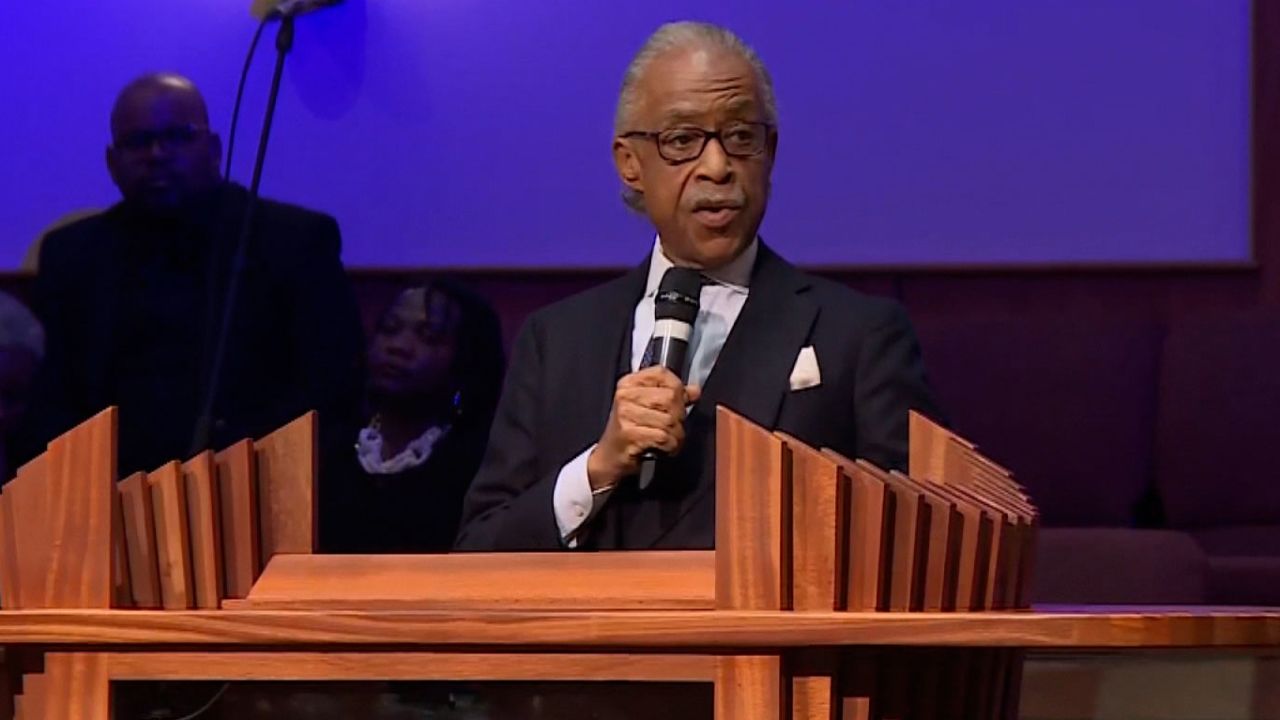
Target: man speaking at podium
(695,140)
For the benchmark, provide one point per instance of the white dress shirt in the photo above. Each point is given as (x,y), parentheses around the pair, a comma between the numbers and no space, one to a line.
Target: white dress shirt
(719,305)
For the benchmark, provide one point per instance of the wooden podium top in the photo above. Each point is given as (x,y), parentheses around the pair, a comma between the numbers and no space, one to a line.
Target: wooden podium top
(679,630)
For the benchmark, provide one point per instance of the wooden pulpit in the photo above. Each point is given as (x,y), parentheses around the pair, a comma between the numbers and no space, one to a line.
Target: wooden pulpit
(837,591)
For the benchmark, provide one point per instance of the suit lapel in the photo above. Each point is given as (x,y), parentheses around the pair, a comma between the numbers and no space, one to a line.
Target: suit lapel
(752,373)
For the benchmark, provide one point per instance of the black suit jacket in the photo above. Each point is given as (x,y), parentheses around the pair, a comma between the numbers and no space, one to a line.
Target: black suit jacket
(295,341)
(569,356)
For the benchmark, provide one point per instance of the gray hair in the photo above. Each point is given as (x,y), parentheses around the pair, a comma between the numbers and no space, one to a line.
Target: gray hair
(682,36)
(19,327)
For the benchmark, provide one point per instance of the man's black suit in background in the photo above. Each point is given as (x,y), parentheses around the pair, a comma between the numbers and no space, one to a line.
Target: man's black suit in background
(570,355)
(131,304)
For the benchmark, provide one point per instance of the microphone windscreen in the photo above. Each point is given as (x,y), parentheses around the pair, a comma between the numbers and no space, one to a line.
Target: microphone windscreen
(678,295)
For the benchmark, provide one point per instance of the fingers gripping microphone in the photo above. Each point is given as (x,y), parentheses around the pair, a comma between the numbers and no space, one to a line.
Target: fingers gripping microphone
(675,309)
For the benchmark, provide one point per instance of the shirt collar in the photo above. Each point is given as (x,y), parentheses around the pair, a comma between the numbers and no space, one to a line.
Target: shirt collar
(736,275)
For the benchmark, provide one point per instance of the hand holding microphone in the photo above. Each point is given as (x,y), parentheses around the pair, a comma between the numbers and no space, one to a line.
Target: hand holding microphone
(647,418)
(648,414)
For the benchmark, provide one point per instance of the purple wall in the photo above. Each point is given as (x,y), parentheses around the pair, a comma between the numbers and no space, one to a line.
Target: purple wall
(456,132)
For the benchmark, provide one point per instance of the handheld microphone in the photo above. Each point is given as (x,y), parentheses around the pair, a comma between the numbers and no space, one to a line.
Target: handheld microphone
(263,9)
(674,312)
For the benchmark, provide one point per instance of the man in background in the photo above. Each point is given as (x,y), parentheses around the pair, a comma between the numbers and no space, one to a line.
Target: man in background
(133,298)
(21,349)
(695,137)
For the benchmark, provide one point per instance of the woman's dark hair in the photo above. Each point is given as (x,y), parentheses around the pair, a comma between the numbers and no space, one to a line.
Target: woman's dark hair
(479,362)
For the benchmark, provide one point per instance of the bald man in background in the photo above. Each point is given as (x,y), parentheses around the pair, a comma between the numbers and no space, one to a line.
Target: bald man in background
(132,298)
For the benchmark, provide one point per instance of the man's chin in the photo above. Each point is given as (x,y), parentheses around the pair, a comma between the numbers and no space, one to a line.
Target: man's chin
(716,250)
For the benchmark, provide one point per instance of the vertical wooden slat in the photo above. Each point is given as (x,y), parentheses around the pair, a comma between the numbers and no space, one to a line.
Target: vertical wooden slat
(77,687)
(856,708)
(814,684)
(27,503)
(204,523)
(140,541)
(238,505)
(34,700)
(286,461)
(80,517)
(942,547)
(8,554)
(753,504)
(121,580)
(173,537)
(910,546)
(870,554)
(749,688)
(820,523)
(974,523)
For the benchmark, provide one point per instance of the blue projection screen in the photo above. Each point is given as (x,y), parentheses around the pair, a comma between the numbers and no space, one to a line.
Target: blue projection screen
(466,133)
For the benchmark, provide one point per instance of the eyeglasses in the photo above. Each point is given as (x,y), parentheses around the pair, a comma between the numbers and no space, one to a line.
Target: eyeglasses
(170,138)
(683,144)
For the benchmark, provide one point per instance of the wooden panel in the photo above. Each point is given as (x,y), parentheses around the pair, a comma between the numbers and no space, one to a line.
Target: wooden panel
(173,537)
(28,503)
(301,666)
(963,539)
(973,555)
(122,592)
(80,497)
(942,546)
(749,688)
(870,539)
(77,687)
(814,686)
(753,504)
(633,580)
(925,448)
(8,554)
(286,461)
(666,630)
(140,541)
(204,522)
(238,506)
(910,546)
(35,698)
(820,529)
(856,708)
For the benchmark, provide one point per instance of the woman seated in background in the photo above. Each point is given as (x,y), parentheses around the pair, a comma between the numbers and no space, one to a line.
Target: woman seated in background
(435,370)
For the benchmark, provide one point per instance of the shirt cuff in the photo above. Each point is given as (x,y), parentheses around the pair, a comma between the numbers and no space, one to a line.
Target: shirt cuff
(573,501)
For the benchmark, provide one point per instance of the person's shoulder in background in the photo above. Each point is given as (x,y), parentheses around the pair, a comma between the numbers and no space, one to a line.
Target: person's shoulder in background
(72,236)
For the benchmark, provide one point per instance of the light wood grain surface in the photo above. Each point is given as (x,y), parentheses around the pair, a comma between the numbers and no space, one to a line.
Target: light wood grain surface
(643,629)
(514,581)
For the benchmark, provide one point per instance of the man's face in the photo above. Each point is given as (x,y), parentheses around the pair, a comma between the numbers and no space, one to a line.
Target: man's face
(709,208)
(162,153)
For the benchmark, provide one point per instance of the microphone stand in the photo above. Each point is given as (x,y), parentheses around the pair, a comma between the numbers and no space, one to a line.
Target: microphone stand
(204,423)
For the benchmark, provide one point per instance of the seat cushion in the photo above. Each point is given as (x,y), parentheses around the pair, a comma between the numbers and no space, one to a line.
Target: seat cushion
(1237,580)
(1240,541)
(1118,566)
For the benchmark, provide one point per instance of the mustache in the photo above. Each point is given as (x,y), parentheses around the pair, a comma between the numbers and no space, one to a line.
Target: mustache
(716,201)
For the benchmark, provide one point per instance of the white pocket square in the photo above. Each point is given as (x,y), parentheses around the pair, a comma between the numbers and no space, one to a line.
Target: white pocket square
(805,374)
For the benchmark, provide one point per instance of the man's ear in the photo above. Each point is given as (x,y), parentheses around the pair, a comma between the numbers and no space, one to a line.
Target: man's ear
(628,164)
